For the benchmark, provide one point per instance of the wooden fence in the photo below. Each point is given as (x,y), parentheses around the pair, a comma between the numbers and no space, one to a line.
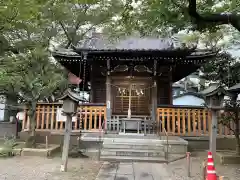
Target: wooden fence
(177,120)
(188,121)
(48,117)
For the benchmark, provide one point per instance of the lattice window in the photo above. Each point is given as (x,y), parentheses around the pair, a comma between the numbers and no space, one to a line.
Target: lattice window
(140,99)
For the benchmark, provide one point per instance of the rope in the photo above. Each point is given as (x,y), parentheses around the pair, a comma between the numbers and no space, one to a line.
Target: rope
(143,89)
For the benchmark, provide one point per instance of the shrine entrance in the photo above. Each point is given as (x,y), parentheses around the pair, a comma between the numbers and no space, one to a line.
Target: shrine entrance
(131,97)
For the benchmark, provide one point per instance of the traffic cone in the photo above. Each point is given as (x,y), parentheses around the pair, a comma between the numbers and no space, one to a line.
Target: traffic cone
(211,171)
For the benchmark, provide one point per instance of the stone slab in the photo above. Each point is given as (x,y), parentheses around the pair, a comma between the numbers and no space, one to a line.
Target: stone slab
(160,171)
(124,177)
(109,168)
(133,152)
(136,171)
(124,169)
(227,157)
(134,146)
(144,176)
(106,177)
(133,159)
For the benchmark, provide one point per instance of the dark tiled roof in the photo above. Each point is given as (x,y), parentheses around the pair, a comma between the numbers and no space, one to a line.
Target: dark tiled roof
(213,89)
(190,94)
(130,43)
(210,89)
(100,43)
(177,85)
(235,88)
(74,96)
(72,54)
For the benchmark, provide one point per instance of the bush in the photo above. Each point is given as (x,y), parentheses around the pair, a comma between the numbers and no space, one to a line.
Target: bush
(7,149)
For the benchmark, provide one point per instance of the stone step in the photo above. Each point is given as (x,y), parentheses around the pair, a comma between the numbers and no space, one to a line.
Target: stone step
(133,159)
(133,146)
(133,152)
(134,140)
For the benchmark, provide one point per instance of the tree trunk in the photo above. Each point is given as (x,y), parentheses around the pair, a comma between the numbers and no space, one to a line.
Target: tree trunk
(31,140)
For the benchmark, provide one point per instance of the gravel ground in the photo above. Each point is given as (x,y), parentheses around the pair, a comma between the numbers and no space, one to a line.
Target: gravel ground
(178,170)
(38,168)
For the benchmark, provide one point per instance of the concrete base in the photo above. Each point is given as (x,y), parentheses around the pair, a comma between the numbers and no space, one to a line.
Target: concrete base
(7,129)
(50,151)
(91,139)
(202,143)
(227,157)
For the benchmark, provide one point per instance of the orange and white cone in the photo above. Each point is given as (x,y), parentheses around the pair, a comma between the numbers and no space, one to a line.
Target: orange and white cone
(211,171)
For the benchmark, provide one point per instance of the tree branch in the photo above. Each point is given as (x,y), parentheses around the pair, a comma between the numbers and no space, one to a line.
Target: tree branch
(218,18)
(77,26)
(65,31)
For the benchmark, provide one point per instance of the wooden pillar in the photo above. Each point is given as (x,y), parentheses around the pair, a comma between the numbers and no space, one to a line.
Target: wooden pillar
(92,94)
(213,135)
(108,93)
(170,86)
(66,142)
(154,92)
(129,102)
(154,100)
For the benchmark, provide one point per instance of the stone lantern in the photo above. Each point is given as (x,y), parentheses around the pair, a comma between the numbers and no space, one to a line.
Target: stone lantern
(214,97)
(70,103)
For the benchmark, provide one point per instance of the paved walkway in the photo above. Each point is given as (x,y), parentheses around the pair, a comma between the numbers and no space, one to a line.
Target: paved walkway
(133,171)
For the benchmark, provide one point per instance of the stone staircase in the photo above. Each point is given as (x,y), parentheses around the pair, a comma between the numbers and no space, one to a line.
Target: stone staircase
(133,149)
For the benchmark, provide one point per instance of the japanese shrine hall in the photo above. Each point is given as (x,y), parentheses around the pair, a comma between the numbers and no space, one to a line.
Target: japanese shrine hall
(130,86)
(133,76)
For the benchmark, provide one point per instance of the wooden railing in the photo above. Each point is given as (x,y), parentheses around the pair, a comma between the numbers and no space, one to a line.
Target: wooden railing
(187,121)
(177,120)
(89,117)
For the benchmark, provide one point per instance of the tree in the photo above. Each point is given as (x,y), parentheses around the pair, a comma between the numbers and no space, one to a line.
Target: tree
(230,118)
(167,17)
(75,20)
(33,77)
(224,69)
(28,29)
